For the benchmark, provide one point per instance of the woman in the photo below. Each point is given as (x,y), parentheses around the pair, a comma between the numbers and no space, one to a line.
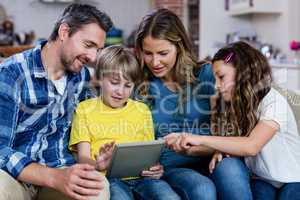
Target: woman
(178,89)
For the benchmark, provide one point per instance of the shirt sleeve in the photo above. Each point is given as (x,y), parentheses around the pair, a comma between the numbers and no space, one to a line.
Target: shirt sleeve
(79,130)
(274,107)
(11,160)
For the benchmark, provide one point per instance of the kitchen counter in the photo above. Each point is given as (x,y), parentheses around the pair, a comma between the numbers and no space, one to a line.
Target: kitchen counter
(286,75)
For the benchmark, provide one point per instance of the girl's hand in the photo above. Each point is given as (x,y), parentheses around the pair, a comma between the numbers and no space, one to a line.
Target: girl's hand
(180,143)
(171,139)
(105,155)
(217,157)
(154,172)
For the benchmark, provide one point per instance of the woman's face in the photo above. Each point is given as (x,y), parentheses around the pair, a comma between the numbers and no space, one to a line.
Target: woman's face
(159,56)
(225,78)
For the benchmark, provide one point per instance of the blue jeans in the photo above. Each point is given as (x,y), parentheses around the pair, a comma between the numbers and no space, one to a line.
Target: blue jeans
(190,184)
(232,179)
(144,188)
(266,191)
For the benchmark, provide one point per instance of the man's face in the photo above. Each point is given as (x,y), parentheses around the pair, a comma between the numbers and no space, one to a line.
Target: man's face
(81,47)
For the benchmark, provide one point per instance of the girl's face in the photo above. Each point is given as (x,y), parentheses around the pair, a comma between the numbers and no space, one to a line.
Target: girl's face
(159,56)
(225,78)
(115,90)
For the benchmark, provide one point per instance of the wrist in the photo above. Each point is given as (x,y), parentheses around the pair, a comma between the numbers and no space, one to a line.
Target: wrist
(203,140)
(52,175)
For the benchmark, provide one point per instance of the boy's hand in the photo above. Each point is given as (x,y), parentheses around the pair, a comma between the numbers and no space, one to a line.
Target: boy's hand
(154,172)
(105,155)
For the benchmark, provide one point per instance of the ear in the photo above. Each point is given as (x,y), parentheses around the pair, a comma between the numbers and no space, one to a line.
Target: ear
(63,31)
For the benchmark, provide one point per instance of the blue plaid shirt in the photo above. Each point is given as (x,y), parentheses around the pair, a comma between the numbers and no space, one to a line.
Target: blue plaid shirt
(34,118)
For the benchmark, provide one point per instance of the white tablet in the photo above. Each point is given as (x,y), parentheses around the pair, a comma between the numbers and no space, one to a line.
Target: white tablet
(130,159)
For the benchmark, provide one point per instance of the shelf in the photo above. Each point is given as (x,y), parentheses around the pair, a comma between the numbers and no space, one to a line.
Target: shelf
(250,11)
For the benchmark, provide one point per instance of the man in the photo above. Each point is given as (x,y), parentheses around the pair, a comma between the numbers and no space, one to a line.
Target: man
(39,90)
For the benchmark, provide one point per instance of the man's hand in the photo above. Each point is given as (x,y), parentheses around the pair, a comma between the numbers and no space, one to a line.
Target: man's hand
(154,172)
(79,181)
(105,155)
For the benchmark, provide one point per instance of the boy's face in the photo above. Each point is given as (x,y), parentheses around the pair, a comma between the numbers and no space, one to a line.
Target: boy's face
(115,90)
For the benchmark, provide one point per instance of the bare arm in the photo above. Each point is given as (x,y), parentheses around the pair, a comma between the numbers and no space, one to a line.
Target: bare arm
(238,146)
(200,151)
(173,141)
(84,152)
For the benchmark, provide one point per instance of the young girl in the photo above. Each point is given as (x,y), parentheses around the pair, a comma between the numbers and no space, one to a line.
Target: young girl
(115,118)
(257,121)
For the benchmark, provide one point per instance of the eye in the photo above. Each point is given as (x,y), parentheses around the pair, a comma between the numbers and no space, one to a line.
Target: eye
(164,53)
(87,45)
(129,85)
(114,82)
(147,53)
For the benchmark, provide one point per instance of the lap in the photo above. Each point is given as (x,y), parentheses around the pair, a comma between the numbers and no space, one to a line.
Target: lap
(155,189)
(232,179)
(10,188)
(263,190)
(141,189)
(190,184)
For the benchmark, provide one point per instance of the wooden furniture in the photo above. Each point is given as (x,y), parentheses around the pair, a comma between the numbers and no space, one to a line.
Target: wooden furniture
(6,51)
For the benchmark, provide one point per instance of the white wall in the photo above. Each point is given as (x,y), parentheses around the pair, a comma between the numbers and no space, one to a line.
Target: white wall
(40,17)
(276,29)
(215,23)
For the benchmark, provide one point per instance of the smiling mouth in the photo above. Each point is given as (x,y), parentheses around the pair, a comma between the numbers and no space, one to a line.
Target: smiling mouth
(117,98)
(158,69)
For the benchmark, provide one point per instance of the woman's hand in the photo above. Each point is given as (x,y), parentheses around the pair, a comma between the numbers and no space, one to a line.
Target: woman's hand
(105,155)
(217,157)
(154,172)
(181,142)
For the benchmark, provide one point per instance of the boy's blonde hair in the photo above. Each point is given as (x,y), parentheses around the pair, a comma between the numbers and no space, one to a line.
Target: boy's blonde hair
(115,59)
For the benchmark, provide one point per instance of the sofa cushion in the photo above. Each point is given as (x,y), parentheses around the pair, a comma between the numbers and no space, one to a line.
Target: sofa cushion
(293,99)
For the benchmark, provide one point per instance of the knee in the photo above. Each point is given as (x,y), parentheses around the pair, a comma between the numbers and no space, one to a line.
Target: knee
(198,186)
(105,192)
(229,168)
(11,188)
(204,190)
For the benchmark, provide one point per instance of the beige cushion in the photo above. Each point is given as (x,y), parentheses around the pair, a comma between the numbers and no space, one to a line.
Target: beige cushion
(294,101)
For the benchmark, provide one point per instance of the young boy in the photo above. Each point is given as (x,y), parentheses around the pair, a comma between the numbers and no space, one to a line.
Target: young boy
(115,118)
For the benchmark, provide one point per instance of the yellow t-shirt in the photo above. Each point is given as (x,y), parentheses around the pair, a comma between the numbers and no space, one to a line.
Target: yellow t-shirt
(96,123)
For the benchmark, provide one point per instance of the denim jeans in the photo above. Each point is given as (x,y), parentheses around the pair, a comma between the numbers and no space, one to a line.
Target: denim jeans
(190,184)
(266,191)
(232,179)
(144,188)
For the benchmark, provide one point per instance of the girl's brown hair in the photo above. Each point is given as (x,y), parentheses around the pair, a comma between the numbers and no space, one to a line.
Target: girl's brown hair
(252,82)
